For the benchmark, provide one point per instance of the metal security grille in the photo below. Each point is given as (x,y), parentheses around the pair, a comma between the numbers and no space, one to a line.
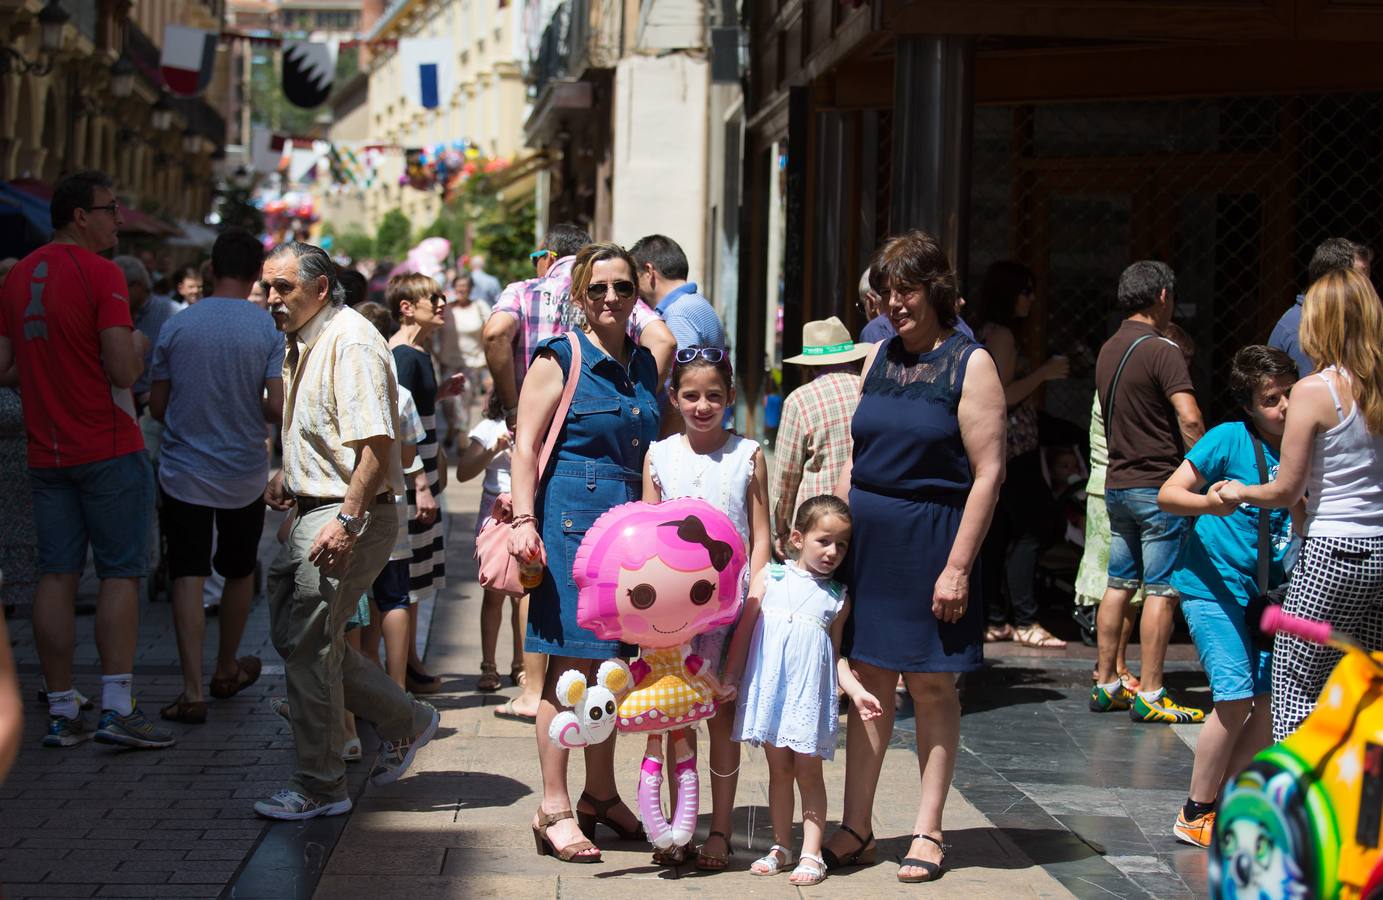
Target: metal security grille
(1233,192)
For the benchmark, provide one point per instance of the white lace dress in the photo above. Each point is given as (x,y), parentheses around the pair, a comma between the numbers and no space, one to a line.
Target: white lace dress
(722,480)
(788,693)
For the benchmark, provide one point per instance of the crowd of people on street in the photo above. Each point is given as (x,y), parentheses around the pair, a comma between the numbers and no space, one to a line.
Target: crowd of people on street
(893,530)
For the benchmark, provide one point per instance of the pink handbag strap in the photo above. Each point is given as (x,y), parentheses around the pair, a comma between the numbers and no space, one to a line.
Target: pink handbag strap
(560,416)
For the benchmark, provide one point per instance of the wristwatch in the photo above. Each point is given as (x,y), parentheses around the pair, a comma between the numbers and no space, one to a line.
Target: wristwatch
(355,525)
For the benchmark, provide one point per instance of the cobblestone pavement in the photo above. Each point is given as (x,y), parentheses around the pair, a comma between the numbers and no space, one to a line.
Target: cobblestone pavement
(1078,805)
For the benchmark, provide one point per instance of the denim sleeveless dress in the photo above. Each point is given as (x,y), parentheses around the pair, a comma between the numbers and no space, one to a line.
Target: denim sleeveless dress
(909,480)
(597,464)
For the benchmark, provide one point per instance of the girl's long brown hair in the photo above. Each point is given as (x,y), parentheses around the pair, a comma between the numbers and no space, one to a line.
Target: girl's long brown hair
(1342,325)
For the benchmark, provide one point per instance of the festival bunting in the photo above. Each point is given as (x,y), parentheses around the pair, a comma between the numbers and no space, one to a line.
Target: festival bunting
(186,62)
(427,70)
(309,68)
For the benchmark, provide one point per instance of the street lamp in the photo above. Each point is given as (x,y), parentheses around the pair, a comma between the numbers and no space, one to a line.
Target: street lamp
(122,77)
(161,115)
(51,20)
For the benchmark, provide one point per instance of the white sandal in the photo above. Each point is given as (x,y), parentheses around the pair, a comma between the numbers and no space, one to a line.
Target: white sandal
(772,865)
(807,875)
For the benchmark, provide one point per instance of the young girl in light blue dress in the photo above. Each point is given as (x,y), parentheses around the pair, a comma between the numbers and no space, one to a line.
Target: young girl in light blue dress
(787,705)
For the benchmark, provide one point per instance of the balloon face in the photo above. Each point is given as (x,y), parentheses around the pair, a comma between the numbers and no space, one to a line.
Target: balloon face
(660,606)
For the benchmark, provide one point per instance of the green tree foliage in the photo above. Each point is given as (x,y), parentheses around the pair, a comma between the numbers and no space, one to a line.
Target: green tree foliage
(352,242)
(394,237)
(476,221)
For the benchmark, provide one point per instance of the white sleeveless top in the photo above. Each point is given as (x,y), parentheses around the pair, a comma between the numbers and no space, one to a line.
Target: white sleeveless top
(1345,491)
(720,478)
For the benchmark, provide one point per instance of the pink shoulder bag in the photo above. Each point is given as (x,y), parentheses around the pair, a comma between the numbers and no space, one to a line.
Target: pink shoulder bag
(499,571)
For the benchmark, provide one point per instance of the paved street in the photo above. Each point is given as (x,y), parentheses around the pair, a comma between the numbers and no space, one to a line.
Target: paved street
(1049,801)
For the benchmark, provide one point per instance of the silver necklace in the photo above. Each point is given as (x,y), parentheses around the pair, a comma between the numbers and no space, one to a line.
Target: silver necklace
(792,615)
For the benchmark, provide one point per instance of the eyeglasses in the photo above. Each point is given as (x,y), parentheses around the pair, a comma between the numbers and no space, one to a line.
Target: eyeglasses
(537,255)
(112,208)
(623,290)
(713,355)
(438,300)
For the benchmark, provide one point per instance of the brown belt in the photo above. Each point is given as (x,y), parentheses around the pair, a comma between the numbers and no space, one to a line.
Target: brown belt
(306,505)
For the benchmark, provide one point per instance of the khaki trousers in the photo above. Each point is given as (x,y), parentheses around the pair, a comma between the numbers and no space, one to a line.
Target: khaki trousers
(307,616)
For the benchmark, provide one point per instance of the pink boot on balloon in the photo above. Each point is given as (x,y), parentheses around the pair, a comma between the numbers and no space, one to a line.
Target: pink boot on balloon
(651,806)
(688,801)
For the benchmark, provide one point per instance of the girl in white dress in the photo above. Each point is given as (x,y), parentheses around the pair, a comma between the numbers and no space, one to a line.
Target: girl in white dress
(728,471)
(787,704)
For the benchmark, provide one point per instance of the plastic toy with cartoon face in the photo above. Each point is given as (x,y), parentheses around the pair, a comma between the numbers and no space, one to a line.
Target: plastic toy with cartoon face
(657,575)
(592,718)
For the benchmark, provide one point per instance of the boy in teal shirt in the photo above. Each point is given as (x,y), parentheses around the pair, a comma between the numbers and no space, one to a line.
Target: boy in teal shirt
(1217,576)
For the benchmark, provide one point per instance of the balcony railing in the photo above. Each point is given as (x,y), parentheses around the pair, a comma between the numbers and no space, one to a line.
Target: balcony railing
(581,35)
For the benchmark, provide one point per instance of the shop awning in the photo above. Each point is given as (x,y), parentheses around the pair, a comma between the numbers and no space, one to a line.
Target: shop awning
(194,234)
(135,221)
(14,202)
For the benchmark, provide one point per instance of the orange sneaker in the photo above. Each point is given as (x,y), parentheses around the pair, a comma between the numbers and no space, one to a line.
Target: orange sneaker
(1197,832)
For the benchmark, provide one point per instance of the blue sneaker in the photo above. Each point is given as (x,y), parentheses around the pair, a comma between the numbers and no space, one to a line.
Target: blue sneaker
(65,732)
(134,730)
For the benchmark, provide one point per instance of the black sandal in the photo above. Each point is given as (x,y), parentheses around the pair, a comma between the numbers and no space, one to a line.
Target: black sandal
(587,821)
(933,869)
(866,855)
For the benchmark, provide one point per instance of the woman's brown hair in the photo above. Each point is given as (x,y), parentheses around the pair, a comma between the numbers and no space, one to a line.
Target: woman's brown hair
(412,287)
(914,261)
(586,258)
(1342,325)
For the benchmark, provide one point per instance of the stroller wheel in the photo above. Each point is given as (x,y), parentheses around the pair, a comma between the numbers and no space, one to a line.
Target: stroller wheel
(1084,617)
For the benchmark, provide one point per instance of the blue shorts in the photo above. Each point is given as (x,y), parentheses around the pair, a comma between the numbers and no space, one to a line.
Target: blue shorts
(390,589)
(109,503)
(1236,668)
(1144,541)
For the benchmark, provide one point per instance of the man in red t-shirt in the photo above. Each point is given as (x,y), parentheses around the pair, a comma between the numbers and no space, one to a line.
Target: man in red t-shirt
(65,326)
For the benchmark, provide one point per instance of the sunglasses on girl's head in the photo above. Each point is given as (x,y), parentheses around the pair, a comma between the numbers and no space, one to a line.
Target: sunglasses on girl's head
(623,290)
(713,355)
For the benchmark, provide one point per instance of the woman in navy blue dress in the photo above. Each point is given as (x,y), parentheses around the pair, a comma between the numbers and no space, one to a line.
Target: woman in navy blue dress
(597,464)
(925,474)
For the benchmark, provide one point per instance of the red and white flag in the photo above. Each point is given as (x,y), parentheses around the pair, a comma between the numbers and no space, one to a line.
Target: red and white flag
(188,55)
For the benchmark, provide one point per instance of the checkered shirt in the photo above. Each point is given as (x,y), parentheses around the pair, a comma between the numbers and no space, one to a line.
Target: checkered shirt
(813,442)
(542,309)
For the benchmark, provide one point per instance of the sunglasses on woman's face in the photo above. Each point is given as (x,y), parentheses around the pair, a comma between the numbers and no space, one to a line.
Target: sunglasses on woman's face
(713,355)
(623,290)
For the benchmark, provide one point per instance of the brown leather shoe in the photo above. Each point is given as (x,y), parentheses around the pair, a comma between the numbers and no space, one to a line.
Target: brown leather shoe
(246,673)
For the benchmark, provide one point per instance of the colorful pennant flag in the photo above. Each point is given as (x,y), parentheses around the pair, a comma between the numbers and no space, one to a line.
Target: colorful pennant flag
(188,55)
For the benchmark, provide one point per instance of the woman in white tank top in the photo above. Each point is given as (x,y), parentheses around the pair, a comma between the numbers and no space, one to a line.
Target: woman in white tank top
(1332,456)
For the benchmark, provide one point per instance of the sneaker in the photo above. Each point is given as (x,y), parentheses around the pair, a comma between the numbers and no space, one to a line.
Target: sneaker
(65,732)
(1196,832)
(134,730)
(1163,709)
(1102,700)
(396,756)
(290,805)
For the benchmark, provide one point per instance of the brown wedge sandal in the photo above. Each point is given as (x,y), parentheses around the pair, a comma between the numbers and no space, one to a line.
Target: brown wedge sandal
(568,854)
(713,862)
(489,679)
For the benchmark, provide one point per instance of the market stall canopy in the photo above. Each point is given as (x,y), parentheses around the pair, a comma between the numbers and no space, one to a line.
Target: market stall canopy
(18,203)
(194,234)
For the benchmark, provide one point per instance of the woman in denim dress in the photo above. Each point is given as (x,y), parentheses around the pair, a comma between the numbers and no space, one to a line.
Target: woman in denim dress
(597,464)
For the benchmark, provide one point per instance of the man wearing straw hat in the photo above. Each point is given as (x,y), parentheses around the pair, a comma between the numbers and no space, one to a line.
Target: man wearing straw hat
(814,436)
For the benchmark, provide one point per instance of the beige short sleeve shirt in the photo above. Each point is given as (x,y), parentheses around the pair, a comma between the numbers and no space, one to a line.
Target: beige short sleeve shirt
(341,390)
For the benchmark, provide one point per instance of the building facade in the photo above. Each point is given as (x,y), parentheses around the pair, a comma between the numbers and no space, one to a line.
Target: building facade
(484,105)
(64,109)
(1224,138)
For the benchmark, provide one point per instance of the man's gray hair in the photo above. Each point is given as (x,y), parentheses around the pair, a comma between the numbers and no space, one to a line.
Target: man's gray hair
(866,289)
(134,270)
(313,263)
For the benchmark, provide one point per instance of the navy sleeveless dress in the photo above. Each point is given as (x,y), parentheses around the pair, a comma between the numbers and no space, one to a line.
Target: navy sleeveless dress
(597,464)
(909,482)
